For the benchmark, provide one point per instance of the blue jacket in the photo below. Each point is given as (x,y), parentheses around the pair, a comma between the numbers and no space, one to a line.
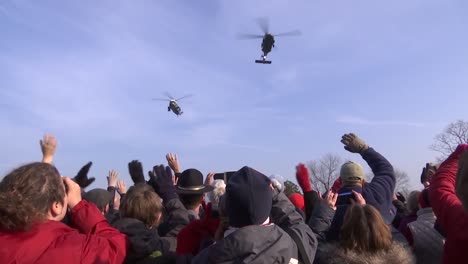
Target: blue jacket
(378,193)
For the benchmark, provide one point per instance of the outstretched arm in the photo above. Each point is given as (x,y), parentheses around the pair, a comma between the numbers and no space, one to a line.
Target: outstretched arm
(48,147)
(384,175)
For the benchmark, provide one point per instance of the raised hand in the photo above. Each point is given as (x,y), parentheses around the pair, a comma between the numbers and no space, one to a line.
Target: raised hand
(353,143)
(121,188)
(112,178)
(82,177)
(173,162)
(358,199)
(73,192)
(48,147)
(161,181)
(330,199)
(209,178)
(136,171)
(302,177)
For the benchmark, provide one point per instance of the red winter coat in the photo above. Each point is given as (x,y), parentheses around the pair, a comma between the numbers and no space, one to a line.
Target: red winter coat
(54,242)
(448,209)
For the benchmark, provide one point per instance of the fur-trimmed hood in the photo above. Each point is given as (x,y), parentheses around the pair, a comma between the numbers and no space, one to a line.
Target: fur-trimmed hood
(333,254)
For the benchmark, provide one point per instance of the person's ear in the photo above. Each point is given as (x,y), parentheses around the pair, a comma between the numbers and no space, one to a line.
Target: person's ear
(157,219)
(56,211)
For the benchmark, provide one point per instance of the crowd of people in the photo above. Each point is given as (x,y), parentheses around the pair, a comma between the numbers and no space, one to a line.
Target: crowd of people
(180,216)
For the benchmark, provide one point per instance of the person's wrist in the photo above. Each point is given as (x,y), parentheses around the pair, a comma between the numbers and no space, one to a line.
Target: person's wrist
(73,203)
(47,159)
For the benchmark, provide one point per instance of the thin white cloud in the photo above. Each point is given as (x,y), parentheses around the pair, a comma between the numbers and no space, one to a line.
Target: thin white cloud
(363,121)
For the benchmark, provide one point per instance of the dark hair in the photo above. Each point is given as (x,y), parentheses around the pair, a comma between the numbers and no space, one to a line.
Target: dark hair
(191,201)
(364,230)
(142,203)
(27,193)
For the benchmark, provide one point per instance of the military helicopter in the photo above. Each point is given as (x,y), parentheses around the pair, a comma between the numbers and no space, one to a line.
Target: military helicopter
(173,103)
(268,41)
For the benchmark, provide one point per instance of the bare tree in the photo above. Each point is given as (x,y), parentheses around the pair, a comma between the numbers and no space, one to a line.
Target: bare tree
(402,181)
(454,134)
(324,172)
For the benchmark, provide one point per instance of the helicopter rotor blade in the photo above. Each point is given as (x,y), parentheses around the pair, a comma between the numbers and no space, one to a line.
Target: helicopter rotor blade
(289,33)
(169,95)
(183,97)
(264,24)
(159,99)
(249,36)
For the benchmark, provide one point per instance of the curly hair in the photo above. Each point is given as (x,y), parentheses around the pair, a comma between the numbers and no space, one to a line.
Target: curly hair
(27,193)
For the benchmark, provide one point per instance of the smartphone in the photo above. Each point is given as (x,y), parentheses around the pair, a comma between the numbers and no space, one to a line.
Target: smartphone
(219,176)
(344,198)
(224,175)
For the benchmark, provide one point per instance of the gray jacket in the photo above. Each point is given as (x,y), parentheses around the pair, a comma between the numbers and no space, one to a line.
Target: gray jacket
(428,243)
(285,215)
(251,244)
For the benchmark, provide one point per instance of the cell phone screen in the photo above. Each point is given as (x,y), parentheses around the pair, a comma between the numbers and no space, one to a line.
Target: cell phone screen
(344,198)
(219,176)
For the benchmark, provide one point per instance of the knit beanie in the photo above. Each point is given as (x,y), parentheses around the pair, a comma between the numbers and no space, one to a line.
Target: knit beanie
(248,198)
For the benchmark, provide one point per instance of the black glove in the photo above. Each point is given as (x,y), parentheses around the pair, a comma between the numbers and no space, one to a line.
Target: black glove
(424,177)
(161,181)
(136,171)
(82,177)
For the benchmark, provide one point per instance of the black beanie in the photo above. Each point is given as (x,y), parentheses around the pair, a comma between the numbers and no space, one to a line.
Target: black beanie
(248,198)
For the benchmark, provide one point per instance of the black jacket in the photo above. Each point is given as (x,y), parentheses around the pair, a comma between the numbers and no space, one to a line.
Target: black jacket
(146,246)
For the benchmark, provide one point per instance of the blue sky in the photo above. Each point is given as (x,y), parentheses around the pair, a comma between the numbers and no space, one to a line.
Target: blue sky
(394,72)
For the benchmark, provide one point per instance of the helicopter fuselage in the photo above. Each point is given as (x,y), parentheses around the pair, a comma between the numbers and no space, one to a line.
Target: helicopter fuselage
(267,44)
(174,107)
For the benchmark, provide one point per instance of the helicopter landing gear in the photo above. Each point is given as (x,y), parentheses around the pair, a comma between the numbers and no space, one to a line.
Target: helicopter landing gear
(169,109)
(263,60)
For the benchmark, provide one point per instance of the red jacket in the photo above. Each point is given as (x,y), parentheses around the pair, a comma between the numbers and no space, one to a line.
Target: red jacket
(448,208)
(54,242)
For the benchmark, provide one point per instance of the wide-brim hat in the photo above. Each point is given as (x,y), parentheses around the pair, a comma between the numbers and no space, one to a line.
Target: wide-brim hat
(191,182)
